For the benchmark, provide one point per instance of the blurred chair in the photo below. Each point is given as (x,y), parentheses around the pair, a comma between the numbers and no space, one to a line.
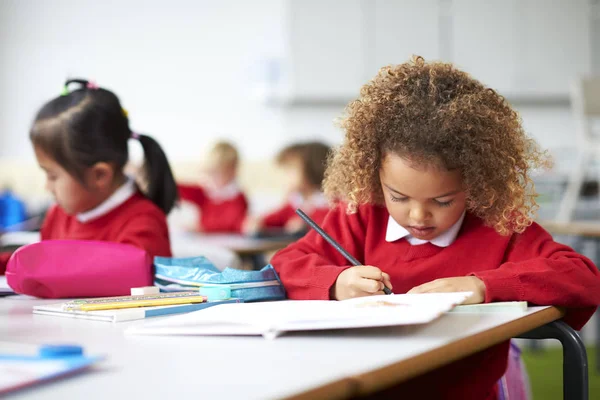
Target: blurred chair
(585,105)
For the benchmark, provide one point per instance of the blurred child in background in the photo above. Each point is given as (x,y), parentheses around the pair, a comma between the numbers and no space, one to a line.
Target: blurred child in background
(221,202)
(304,167)
(81,140)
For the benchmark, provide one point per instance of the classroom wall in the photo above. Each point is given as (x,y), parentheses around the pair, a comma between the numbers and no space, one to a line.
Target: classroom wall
(193,71)
(187,71)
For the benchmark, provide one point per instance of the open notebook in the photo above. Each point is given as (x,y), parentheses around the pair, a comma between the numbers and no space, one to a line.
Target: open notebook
(274,318)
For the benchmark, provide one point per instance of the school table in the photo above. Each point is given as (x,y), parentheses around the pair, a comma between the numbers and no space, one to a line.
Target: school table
(245,247)
(242,245)
(588,230)
(317,365)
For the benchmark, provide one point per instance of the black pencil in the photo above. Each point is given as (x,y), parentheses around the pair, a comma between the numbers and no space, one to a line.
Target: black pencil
(332,242)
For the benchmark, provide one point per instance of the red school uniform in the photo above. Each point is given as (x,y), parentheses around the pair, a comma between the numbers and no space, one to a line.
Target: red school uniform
(519,267)
(220,211)
(136,221)
(316,208)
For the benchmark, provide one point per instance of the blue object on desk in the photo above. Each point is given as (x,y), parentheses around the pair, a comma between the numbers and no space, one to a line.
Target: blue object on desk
(12,209)
(58,351)
(217,292)
(51,362)
(177,274)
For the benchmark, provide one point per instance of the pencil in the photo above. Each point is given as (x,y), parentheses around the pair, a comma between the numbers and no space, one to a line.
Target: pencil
(332,242)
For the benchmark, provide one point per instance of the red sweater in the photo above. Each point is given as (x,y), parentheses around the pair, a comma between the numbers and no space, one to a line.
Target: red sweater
(280,217)
(525,267)
(137,222)
(216,215)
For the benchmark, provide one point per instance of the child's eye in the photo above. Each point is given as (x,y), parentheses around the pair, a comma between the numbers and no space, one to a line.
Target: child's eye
(398,199)
(444,203)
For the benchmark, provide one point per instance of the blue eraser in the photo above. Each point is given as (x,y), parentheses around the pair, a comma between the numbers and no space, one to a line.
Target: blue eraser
(57,351)
(216,292)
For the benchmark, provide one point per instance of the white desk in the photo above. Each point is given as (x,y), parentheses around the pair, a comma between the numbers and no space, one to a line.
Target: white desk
(252,367)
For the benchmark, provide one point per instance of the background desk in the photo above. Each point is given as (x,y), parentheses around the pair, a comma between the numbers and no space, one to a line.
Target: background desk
(212,246)
(307,365)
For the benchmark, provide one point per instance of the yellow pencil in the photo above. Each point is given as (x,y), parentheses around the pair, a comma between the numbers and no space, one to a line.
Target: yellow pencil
(138,303)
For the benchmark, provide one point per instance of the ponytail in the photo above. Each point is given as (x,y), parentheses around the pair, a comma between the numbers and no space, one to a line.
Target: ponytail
(161,186)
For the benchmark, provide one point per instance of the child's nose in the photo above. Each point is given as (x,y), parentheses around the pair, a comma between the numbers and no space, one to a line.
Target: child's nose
(418,214)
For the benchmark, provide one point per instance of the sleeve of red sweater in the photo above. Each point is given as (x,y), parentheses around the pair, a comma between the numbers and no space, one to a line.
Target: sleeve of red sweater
(541,271)
(239,213)
(48,220)
(192,193)
(4,257)
(147,231)
(279,217)
(309,267)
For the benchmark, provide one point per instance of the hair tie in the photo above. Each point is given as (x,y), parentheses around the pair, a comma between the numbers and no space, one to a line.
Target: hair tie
(135,136)
(65,91)
(92,85)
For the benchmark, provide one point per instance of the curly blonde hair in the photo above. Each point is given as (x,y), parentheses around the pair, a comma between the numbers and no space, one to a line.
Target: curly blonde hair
(432,113)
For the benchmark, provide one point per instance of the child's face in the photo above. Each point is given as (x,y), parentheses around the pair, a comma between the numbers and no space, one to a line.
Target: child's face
(294,175)
(425,201)
(222,175)
(68,192)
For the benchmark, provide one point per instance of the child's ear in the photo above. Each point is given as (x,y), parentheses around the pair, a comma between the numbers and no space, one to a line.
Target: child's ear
(101,175)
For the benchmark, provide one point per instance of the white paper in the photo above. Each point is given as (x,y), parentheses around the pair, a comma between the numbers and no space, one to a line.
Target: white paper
(272,318)
(4,288)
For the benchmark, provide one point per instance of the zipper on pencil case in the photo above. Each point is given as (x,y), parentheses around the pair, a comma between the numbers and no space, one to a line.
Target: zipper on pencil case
(233,286)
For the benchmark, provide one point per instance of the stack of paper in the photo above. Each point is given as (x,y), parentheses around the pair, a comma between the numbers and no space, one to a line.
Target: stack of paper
(272,319)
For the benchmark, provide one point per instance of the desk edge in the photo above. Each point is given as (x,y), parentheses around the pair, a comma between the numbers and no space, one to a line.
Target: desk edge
(384,377)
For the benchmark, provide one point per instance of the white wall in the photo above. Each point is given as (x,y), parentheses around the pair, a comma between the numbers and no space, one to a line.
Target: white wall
(187,71)
(192,71)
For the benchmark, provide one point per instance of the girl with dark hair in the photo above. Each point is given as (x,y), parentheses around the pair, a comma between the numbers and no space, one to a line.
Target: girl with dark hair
(81,140)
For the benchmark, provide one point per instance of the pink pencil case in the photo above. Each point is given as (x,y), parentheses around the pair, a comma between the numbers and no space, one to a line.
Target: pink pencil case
(78,268)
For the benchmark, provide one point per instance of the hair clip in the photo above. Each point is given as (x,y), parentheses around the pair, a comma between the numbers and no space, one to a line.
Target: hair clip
(92,85)
(135,136)
(125,113)
(64,91)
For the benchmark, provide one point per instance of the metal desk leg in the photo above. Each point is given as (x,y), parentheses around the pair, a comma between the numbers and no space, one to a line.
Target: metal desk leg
(575,362)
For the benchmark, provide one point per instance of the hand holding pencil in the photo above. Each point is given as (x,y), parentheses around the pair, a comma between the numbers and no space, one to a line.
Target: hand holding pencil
(360,281)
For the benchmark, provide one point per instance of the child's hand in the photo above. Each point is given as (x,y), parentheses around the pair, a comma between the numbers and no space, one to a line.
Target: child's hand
(251,226)
(458,284)
(360,281)
(295,225)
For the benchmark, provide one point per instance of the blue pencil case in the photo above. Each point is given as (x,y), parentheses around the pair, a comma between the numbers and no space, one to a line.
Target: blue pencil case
(177,274)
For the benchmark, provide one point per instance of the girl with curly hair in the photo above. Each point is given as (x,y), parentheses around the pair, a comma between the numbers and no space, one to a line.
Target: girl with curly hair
(434,194)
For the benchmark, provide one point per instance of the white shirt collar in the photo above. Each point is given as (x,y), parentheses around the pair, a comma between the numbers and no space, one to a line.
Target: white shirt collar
(120,196)
(395,231)
(227,192)
(315,201)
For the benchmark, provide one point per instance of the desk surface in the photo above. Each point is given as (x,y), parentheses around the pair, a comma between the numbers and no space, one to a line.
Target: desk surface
(239,244)
(307,365)
(577,228)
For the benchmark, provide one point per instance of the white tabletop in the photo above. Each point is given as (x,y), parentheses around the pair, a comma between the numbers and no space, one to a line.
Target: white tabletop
(146,367)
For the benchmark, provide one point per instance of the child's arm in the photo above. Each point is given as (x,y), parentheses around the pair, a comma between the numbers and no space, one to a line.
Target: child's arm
(239,214)
(275,219)
(192,193)
(147,231)
(48,221)
(541,271)
(310,267)
(279,217)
